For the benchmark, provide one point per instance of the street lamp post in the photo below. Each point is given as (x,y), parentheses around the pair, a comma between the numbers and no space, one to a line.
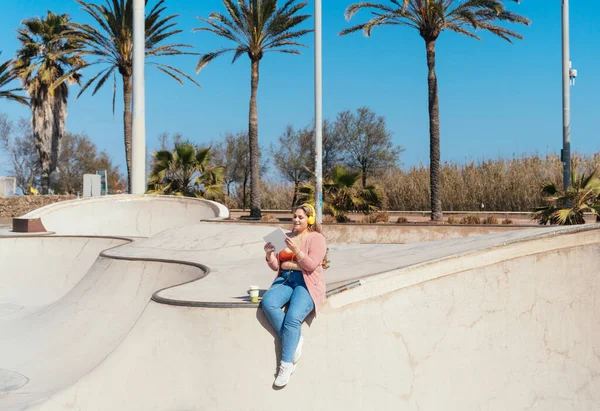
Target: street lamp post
(318,114)
(568,78)
(138,141)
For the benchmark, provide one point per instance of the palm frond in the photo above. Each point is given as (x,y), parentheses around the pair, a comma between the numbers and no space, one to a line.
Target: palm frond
(111,41)
(255,28)
(431,18)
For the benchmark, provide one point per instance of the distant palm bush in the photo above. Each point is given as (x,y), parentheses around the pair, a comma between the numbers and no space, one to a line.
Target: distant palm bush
(185,171)
(568,207)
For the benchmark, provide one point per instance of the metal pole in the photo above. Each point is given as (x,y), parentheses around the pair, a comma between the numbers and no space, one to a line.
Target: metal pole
(318,114)
(138,143)
(566,84)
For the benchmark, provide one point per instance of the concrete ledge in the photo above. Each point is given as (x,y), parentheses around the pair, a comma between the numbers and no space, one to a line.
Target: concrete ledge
(357,233)
(28,225)
(563,238)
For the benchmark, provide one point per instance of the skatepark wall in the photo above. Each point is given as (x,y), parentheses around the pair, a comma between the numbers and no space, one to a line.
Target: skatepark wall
(126,215)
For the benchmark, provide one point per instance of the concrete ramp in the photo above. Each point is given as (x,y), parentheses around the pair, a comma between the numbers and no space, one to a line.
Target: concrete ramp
(55,346)
(512,326)
(126,215)
(36,271)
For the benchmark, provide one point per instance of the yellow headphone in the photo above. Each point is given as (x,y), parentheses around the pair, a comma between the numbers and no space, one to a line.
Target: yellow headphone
(313,218)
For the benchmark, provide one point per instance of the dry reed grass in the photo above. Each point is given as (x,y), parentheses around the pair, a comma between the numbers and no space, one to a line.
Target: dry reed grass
(501,184)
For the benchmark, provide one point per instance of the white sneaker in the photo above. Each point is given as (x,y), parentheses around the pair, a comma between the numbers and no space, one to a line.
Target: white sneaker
(285,370)
(298,351)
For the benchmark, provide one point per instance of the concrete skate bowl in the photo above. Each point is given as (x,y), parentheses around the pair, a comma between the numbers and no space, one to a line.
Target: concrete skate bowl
(511,327)
(126,215)
(36,271)
(51,347)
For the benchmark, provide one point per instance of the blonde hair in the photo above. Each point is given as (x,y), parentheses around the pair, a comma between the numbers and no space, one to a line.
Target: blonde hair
(316,227)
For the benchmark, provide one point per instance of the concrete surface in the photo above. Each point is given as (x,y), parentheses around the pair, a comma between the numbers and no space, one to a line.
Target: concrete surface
(234,255)
(126,215)
(513,333)
(57,344)
(397,233)
(502,321)
(36,271)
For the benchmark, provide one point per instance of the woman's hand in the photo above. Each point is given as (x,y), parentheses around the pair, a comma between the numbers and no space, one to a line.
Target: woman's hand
(292,246)
(269,249)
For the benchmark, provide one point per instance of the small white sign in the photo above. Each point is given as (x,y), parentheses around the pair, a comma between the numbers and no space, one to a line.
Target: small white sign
(277,238)
(91,185)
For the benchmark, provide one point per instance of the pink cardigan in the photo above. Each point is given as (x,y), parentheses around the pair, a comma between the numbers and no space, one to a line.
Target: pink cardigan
(315,248)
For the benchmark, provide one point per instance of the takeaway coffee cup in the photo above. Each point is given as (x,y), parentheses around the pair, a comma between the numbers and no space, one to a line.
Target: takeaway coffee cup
(253,291)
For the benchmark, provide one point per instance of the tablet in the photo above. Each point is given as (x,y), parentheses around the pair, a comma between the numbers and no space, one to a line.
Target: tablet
(277,238)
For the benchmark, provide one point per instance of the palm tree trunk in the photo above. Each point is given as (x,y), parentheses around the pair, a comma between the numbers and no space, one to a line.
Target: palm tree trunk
(127,125)
(59,119)
(253,145)
(41,122)
(434,134)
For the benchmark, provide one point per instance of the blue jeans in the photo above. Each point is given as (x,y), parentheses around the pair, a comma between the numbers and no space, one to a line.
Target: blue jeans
(289,287)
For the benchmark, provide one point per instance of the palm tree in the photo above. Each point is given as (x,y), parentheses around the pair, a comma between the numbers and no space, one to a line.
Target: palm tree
(431,18)
(186,172)
(6,76)
(112,44)
(46,64)
(341,194)
(568,208)
(256,27)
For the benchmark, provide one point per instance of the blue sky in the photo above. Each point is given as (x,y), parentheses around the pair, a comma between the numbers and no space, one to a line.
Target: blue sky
(496,98)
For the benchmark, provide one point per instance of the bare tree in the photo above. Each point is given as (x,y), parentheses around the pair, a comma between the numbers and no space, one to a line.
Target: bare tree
(294,157)
(79,155)
(167,141)
(233,153)
(19,142)
(333,148)
(367,142)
